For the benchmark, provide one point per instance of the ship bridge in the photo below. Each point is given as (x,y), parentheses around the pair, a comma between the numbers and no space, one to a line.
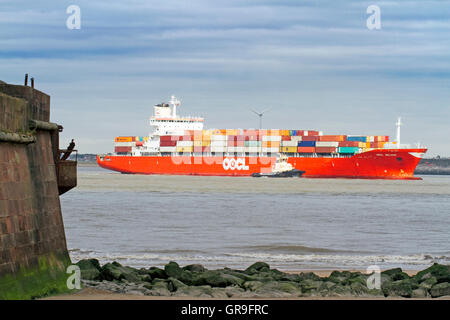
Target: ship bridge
(166,121)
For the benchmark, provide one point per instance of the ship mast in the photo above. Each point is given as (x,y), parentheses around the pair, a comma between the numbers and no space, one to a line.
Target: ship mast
(174,103)
(399,123)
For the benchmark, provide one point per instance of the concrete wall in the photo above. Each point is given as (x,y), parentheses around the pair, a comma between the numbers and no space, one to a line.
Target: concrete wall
(33,252)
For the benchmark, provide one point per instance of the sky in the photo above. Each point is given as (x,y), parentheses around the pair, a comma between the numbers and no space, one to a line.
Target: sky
(315,64)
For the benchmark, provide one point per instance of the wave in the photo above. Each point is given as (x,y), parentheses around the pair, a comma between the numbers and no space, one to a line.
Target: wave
(293,249)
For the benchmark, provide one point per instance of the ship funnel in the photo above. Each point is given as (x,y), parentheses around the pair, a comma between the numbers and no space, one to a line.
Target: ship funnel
(174,103)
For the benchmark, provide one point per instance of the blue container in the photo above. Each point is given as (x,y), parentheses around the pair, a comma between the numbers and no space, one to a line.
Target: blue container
(360,139)
(307,144)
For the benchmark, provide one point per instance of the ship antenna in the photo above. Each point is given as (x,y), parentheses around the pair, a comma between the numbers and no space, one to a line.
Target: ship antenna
(260,115)
(399,123)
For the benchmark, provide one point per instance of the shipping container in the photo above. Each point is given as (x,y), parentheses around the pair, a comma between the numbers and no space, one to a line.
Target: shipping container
(349,144)
(185,149)
(332,138)
(252,149)
(252,143)
(168,143)
(125,144)
(289,143)
(271,144)
(306,149)
(218,137)
(218,143)
(357,138)
(167,149)
(348,149)
(327,144)
(307,143)
(310,138)
(139,143)
(286,138)
(235,149)
(185,143)
(325,149)
(202,149)
(270,150)
(271,138)
(122,149)
(289,149)
(125,139)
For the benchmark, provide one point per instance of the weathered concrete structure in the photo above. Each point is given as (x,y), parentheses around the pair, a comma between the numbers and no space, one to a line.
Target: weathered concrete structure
(33,252)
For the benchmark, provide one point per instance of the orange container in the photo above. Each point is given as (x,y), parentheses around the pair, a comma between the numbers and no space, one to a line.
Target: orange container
(332,138)
(306,149)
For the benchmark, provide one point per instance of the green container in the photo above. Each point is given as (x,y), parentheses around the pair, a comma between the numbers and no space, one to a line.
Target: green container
(252,143)
(348,149)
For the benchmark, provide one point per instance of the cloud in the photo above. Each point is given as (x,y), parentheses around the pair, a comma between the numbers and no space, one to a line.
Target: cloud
(316,61)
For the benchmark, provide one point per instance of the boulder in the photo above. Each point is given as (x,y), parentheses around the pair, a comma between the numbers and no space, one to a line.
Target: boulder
(176,284)
(159,287)
(172,269)
(115,271)
(428,283)
(439,271)
(257,267)
(195,291)
(440,289)
(402,288)
(269,288)
(419,293)
(217,279)
(157,273)
(309,285)
(90,269)
(396,274)
(194,268)
(339,277)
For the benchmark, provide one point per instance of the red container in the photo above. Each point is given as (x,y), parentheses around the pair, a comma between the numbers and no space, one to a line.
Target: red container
(169,138)
(349,144)
(285,138)
(306,149)
(310,138)
(202,149)
(168,143)
(139,143)
(186,138)
(325,150)
(313,133)
(332,138)
(122,149)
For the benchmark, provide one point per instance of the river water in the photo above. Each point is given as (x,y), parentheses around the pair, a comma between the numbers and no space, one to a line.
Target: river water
(291,223)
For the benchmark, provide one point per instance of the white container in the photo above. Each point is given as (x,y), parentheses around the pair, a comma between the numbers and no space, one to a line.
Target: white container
(125,144)
(289,143)
(327,144)
(218,137)
(252,149)
(235,149)
(185,143)
(270,150)
(218,143)
(271,138)
(167,149)
(218,149)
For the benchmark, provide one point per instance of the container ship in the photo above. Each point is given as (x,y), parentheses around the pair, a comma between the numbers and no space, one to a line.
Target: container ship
(181,146)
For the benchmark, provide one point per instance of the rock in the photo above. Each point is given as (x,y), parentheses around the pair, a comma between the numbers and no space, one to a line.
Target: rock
(172,269)
(257,267)
(359,289)
(402,288)
(217,279)
(428,283)
(440,272)
(176,284)
(396,274)
(195,268)
(252,285)
(195,291)
(115,271)
(308,276)
(339,277)
(90,269)
(310,285)
(159,287)
(157,273)
(269,288)
(440,289)
(419,293)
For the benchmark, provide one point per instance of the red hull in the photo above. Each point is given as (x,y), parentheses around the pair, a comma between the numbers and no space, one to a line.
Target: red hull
(375,164)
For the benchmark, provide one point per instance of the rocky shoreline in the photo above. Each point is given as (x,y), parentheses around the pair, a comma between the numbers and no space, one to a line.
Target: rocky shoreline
(259,281)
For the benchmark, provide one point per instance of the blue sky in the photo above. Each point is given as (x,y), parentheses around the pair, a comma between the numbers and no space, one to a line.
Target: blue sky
(314,62)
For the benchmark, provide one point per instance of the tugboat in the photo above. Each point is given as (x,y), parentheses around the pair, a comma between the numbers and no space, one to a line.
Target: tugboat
(280,169)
